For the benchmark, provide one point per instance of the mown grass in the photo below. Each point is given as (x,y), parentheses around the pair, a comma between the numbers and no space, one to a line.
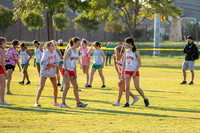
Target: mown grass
(173,107)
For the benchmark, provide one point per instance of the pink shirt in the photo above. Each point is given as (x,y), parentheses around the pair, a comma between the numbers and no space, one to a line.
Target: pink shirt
(11,56)
(84,56)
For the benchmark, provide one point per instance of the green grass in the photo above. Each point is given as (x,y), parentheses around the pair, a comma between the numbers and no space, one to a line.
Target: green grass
(173,107)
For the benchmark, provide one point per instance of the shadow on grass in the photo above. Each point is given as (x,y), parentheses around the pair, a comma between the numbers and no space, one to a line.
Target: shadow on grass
(162,91)
(169,67)
(89,110)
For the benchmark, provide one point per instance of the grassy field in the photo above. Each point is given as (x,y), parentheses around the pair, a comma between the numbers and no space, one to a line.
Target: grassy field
(173,107)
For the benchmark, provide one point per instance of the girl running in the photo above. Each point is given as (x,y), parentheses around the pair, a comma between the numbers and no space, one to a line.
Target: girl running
(12,57)
(85,59)
(38,55)
(69,71)
(97,63)
(131,64)
(24,53)
(3,73)
(49,62)
(118,61)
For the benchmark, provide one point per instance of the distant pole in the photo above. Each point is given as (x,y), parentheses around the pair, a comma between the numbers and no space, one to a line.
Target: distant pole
(156,34)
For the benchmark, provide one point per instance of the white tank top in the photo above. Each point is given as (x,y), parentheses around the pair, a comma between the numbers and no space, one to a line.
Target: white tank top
(131,61)
(57,54)
(119,63)
(23,56)
(71,60)
(97,57)
(38,54)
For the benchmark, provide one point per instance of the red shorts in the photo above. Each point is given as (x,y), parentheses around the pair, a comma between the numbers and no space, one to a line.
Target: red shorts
(132,72)
(71,73)
(1,70)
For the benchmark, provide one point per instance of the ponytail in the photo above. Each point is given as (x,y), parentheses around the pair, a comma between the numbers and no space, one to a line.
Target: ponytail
(73,40)
(131,41)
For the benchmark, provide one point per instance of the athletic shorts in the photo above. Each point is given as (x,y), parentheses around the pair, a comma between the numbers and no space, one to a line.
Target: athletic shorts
(188,64)
(71,73)
(22,65)
(60,63)
(132,72)
(1,70)
(96,66)
(10,67)
(37,63)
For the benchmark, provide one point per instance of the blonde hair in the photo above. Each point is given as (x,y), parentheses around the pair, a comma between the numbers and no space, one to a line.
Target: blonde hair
(120,49)
(48,44)
(54,42)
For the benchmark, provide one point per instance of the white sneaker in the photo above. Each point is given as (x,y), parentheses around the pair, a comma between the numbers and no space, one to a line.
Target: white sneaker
(4,103)
(116,104)
(56,104)
(37,105)
(64,105)
(135,100)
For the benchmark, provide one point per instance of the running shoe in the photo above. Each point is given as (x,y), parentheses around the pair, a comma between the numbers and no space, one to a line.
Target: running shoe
(88,86)
(126,105)
(135,100)
(103,86)
(116,104)
(146,102)
(37,105)
(28,83)
(22,83)
(56,104)
(8,93)
(81,105)
(183,83)
(64,105)
(58,84)
(191,83)
(4,103)
(61,89)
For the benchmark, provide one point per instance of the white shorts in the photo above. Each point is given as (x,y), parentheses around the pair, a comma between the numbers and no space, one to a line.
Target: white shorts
(188,64)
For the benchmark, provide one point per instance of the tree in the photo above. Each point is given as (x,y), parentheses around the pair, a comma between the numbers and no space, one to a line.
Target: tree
(131,12)
(85,23)
(34,21)
(6,16)
(60,22)
(115,27)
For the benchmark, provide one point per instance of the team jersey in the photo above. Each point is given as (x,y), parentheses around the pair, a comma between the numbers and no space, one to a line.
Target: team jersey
(97,57)
(11,56)
(38,54)
(119,63)
(23,56)
(85,57)
(57,54)
(47,59)
(71,60)
(131,61)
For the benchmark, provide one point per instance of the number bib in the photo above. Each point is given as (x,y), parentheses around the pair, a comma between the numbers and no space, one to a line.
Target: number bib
(73,63)
(129,62)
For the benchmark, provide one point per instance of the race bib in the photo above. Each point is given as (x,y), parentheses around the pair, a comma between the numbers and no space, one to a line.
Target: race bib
(73,63)
(83,54)
(37,56)
(129,62)
(22,57)
(95,57)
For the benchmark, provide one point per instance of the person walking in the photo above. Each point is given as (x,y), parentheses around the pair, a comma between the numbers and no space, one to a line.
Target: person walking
(108,53)
(189,50)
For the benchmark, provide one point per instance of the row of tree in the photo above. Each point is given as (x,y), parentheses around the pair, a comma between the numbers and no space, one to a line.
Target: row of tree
(116,14)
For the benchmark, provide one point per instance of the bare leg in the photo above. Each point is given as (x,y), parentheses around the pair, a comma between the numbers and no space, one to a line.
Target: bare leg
(10,71)
(184,75)
(2,86)
(87,73)
(58,74)
(100,70)
(25,73)
(42,83)
(127,87)
(75,85)
(91,75)
(137,86)
(53,81)
(38,68)
(67,85)
(192,75)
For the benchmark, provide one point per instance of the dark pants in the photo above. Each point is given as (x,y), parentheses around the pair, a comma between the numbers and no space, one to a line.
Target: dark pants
(108,55)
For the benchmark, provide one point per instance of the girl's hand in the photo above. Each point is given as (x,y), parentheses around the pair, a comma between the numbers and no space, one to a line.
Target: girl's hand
(134,75)
(81,66)
(34,65)
(102,66)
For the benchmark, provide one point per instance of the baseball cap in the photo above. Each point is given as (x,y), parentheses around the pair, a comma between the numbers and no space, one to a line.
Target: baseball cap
(189,37)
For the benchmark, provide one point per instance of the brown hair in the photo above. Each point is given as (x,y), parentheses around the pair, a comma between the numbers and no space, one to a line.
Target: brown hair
(84,41)
(22,44)
(73,40)
(15,42)
(54,42)
(96,43)
(35,41)
(48,44)
(130,40)
(2,40)
(120,49)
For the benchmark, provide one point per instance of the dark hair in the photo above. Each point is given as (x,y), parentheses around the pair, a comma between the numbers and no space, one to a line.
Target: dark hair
(2,40)
(15,42)
(96,43)
(73,40)
(84,41)
(130,40)
(35,41)
(22,44)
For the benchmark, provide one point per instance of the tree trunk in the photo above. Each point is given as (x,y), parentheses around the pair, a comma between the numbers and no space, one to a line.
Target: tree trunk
(47,19)
(50,25)
(131,32)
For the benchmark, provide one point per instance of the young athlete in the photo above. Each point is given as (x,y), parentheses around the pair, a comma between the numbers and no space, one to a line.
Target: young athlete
(118,61)
(85,59)
(69,71)
(131,64)
(11,59)
(49,62)
(3,73)
(24,53)
(38,55)
(97,63)
(60,64)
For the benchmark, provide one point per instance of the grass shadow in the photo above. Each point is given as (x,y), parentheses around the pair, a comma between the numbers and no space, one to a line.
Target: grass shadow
(162,91)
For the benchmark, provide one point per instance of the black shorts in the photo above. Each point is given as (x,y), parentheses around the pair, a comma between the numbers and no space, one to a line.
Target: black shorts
(10,67)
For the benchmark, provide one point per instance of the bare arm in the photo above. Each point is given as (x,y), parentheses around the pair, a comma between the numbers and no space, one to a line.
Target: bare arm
(139,60)
(17,62)
(79,62)
(90,51)
(123,66)
(59,53)
(2,59)
(116,68)
(30,56)
(103,55)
